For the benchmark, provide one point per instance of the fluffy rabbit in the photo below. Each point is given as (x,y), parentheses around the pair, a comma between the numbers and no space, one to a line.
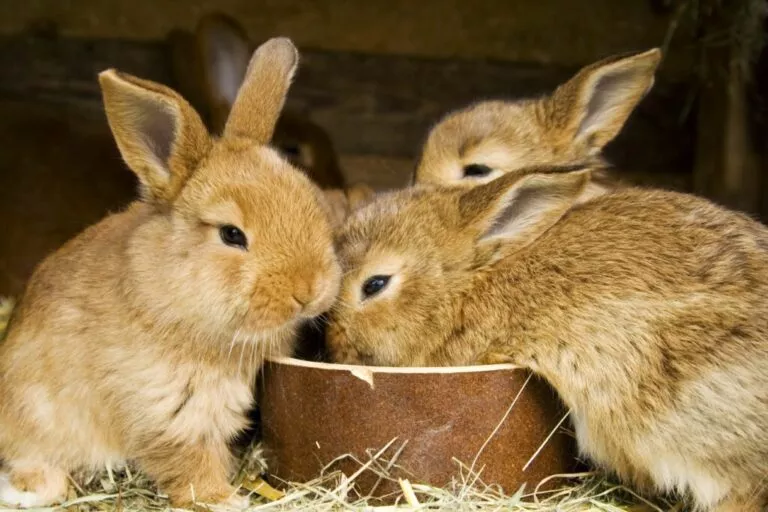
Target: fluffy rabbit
(209,66)
(140,338)
(645,309)
(570,126)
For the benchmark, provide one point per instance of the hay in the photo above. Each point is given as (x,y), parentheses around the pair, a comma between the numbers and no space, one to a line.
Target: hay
(128,490)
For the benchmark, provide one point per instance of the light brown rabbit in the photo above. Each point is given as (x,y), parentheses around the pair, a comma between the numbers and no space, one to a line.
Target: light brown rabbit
(646,310)
(571,126)
(140,338)
(209,67)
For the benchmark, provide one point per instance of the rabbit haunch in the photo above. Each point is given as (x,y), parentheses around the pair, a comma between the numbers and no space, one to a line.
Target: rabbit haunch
(646,310)
(140,338)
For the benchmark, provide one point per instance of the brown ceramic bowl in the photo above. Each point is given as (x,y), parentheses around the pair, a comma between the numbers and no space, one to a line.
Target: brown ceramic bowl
(313,413)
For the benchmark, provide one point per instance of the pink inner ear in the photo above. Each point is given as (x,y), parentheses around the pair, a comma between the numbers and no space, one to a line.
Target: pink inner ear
(228,61)
(228,85)
(611,92)
(157,128)
(514,208)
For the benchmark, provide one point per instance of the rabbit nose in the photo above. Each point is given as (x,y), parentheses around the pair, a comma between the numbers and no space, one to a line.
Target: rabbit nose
(308,293)
(315,293)
(304,292)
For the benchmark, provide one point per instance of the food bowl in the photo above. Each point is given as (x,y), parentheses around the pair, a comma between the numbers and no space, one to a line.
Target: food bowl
(316,415)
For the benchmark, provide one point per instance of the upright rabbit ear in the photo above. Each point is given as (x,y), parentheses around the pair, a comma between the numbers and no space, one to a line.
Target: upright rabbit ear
(161,138)
(262,95)
(516,210)
(224,51)
(594,105)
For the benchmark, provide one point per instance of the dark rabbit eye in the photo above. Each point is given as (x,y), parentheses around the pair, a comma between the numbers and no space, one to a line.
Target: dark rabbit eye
(232,236)
(374,285)
(476,171)
(292,150)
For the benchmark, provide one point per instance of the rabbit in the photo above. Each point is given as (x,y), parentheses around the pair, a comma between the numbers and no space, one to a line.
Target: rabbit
(569,127)
(140,338)
(645,309)
(209,66)
(59,173)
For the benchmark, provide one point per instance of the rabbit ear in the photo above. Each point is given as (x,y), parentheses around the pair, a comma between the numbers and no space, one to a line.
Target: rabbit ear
(223,47)
(262,95)
(161,138)
(595,104)
(516,209)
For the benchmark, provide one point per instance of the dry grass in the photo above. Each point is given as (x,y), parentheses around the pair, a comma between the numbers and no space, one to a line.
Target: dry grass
(127,490)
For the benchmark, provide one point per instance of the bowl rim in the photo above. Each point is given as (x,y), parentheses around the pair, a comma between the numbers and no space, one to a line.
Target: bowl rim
(356,369)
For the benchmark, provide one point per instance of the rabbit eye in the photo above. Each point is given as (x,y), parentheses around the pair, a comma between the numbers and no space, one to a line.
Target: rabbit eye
(374,285)
(292,150)
(232,236)
(476,171)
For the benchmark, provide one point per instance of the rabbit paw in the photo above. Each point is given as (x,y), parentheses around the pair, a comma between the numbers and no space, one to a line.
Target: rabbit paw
(238,502)
(35,487)
(232,503)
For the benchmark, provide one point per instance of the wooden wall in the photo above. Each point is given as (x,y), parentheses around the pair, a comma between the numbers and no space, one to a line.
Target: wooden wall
(560,32)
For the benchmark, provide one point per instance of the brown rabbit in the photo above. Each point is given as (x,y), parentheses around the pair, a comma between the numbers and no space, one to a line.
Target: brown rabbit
(570,126)
(141,337)
(209,66)
(645,309)
(59,173)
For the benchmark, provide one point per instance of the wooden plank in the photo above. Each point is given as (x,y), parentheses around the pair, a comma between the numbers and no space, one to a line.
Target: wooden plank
(727,163)
(370,104)
(546,31)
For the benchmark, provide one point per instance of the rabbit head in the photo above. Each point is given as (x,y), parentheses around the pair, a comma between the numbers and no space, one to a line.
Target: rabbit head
(210,66)
(410,259)
(238,238)
(569,127)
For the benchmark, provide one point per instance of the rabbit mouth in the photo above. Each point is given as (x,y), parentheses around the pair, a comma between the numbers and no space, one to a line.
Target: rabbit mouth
(276,316)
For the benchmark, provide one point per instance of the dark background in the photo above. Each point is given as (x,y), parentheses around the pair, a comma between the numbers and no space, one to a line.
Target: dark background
(375,74)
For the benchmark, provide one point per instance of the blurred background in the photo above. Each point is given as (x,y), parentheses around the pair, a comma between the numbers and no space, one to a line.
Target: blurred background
(374,76)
